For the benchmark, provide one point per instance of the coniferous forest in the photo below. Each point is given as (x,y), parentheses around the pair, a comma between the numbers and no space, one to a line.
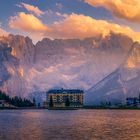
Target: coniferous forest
(16,101)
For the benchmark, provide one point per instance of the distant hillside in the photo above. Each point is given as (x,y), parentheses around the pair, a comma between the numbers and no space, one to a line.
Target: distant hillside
(122,83)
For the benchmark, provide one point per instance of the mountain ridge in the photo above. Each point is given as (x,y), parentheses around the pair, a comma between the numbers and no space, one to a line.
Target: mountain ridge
(115,83)
(67,63)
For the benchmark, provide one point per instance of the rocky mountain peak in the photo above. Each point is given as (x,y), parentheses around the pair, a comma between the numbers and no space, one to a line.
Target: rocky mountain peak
(69,63)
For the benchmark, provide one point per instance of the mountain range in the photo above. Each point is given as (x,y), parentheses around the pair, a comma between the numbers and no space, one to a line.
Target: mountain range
(106,68)
(122,83)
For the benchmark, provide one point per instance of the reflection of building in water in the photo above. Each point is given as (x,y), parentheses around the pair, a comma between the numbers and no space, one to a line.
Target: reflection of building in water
(65,98)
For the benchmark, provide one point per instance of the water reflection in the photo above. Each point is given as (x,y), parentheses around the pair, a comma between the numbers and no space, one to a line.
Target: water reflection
(69,125)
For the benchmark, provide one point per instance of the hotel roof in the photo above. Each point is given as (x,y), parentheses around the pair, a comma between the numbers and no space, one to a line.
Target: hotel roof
(65,91)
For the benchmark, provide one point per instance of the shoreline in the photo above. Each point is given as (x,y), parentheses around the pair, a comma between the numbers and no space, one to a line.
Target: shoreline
(83,108)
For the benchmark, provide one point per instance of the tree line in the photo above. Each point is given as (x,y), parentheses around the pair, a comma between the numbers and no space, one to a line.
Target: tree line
(16,101)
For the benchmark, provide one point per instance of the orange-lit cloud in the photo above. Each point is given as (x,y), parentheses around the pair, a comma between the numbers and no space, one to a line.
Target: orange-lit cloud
(33,9)
(3,32)
(28,23)
(127,9)
(71,26)
(80,26)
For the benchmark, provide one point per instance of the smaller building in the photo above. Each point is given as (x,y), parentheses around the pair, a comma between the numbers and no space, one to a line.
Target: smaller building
(65,98)
(3,103)
(132,101)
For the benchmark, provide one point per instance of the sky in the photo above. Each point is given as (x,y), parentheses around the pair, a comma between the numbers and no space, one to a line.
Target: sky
(70,18)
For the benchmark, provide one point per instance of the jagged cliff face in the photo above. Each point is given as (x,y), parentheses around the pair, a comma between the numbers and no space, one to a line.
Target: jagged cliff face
(123,82)
(10,76)
(4,58)
(70,63)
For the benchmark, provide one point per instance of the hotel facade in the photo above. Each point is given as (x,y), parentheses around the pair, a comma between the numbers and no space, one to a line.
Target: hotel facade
(65,98)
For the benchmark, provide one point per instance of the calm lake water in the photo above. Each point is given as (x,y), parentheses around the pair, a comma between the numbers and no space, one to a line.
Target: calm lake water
(69,125)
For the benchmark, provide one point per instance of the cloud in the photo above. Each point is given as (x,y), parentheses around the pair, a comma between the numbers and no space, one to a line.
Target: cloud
(61,14)
(33,9)
(27,22)
(126,9)
(59,5)
(81,26)
(53,14)
(71,26)
(3,32)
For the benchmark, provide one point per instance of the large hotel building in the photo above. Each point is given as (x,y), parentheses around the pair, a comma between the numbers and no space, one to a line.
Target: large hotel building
(65,98)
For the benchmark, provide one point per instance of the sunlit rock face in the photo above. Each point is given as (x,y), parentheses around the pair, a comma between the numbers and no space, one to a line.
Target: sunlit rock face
(70,63)
(4,55)
(123,82)
(21,49)
(9,65)
(80,63)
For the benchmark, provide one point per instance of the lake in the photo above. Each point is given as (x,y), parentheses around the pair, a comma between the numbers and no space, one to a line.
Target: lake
(69,124)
